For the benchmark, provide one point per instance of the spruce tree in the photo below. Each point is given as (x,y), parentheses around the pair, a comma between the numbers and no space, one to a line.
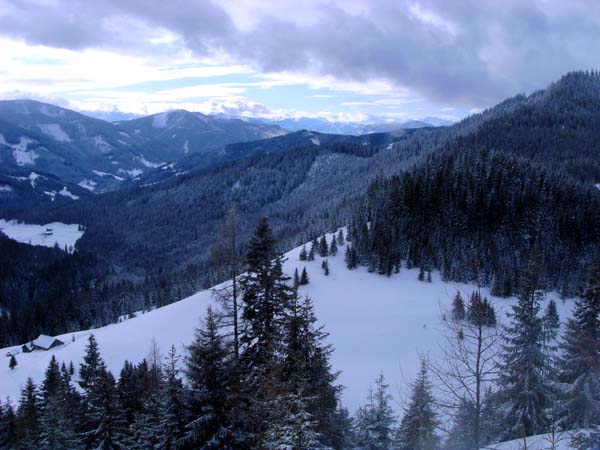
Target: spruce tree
(296,279)
(171,410)
(579,365)
(8,427)
(351,257)
(323,247)
(417,428)
(303,254)
(56,422)
(304,277)
(375,420)
(28,414)
(325,267)
(340,238)
(110,432)
(13,362)
(208,372)
(333,249)
(314,248)
(265,296)
(525,393)
(295,427)
(458,308)
(551,320)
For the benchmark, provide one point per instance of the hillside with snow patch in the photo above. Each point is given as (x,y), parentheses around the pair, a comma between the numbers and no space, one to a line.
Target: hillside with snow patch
(48,235)
(377,324)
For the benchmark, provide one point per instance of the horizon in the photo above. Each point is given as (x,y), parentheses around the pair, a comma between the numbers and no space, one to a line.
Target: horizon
(406,61)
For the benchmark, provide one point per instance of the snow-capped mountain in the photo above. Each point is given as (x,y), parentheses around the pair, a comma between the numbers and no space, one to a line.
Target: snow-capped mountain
(372,125)
(171,135)
(99,155)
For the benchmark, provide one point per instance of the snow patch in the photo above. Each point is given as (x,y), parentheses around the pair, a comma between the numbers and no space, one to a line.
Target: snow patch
(132,173)
(186,147)
(101,144)
(55,131)
(106,174)
(66,193)
(90,185)
(44,235)
(147,163)
(52,111)
(33,178)
(20,153)
(160,120)
(315,140)
(5,188)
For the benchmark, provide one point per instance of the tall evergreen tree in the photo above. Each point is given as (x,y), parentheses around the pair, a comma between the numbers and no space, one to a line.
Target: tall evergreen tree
(304,277)
(314,249)
(333,248)
(351,257)
(303,254)
(417,428)
(458,308)
(579,366)
(208,372)
(375,420)
(525,392)
(28,414)
(265,297)
(323,247)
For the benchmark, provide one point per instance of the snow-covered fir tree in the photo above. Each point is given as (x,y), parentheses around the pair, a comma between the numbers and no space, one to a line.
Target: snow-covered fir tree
(579,365)
(418,425)
(525,393)
(375,420)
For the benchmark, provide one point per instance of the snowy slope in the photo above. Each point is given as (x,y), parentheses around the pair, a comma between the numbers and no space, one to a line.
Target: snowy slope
(376,324)
(65,235)
(539,442)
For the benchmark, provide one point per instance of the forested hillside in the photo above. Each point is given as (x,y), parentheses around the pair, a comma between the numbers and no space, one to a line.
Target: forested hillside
(480,217)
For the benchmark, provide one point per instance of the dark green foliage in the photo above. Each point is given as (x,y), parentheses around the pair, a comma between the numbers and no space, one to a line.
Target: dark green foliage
(458,307)
(333,249)
(351,258)
(525,392)
(481,311)
(579,366)
(304,277)
(551,320)
(417,427)
(314,248)
(12,363)
(325,267)
(485,213)
(375,420)
(303,254)
(323,247)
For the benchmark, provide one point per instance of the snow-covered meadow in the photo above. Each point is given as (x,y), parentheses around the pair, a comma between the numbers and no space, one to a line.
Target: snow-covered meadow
(65,235)
(377,324)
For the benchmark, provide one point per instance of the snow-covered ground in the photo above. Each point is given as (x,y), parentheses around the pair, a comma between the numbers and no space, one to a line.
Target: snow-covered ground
(560,441)
(46,235)
(377,324)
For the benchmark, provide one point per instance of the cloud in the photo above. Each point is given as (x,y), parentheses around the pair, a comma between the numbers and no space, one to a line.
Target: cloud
(471,53)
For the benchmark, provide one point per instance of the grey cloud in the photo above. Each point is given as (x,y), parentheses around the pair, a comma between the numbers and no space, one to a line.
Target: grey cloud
(497,48)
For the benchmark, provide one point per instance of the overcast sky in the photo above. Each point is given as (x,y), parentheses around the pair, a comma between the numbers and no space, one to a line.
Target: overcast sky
(337,59)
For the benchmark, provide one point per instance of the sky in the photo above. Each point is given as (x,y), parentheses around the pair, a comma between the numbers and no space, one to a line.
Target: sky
(347,60)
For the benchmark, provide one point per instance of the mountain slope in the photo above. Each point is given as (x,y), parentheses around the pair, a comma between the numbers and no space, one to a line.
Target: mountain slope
(374,324)
(279,144)
(99,156)
(171,135)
